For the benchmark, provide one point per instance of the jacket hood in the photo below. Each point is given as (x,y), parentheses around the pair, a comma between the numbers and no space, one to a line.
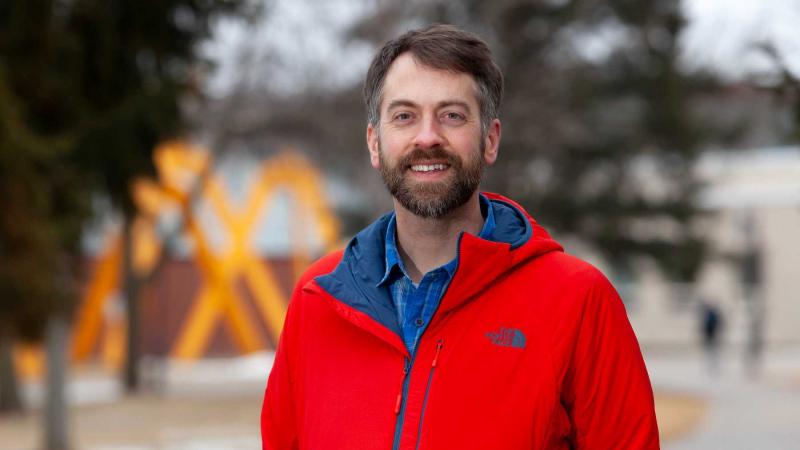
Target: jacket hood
(516,239)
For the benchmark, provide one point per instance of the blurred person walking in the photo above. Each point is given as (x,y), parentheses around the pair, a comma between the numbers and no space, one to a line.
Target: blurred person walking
(711,326)
(455,321)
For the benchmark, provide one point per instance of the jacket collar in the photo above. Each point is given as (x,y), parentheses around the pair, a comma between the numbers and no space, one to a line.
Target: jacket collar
(356,280)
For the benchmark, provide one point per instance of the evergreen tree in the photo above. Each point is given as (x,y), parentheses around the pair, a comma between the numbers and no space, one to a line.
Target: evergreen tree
(600,122)
(87,89)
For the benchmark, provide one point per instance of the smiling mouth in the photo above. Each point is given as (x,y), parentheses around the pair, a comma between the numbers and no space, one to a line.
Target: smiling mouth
(428,167)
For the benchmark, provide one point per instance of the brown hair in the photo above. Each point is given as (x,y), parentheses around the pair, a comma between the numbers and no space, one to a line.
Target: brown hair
(443,47)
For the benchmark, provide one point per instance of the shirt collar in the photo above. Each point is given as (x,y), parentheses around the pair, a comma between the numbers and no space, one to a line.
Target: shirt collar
(392,255)
(393,259)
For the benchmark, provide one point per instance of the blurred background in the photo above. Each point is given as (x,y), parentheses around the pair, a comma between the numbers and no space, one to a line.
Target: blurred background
(168,169)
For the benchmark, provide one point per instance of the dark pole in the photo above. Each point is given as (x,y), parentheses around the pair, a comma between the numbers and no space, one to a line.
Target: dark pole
(755,305)
(131,289)
(55,415)
(9,389)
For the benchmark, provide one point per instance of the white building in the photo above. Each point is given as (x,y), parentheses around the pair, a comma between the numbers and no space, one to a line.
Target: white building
(754,201)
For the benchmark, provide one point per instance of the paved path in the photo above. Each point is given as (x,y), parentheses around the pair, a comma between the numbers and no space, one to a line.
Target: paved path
(206,405)
(742,413)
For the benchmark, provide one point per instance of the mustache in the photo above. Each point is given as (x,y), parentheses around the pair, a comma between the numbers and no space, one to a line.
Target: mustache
(418,154)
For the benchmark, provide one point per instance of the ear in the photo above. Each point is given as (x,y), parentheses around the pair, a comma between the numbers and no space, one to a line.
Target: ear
(372,144)
(491,143)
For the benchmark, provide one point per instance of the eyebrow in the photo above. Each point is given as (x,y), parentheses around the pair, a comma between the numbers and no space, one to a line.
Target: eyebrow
(444,103)
(398,103)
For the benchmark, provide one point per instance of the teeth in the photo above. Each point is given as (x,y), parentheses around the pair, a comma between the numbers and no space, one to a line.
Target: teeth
(427,167)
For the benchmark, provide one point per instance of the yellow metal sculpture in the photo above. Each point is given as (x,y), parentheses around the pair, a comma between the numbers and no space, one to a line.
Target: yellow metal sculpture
(185,176)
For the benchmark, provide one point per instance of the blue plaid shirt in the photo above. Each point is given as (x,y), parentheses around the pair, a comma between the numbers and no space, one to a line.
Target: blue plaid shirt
(416,304)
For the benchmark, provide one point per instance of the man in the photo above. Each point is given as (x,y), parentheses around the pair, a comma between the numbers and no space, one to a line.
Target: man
(454,322)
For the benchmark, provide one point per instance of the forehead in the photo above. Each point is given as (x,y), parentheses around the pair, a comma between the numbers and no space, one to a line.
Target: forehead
(408,79)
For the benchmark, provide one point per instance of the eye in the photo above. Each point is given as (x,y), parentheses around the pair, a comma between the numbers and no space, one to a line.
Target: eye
(402,117)
(453,118)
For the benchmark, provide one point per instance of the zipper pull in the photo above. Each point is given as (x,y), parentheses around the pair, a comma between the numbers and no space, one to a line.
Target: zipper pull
(397,403)
(399,400)
(438,349)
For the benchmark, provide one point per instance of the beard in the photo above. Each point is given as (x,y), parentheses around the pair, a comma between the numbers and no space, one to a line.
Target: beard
(432,199)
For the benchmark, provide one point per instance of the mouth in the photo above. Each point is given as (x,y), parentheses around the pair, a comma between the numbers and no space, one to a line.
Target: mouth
(424,168)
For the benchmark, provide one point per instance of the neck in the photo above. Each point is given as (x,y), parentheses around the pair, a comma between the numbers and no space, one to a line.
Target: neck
(425,244)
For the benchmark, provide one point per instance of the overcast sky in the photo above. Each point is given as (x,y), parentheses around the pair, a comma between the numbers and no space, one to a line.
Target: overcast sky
(724,34)
(299,40)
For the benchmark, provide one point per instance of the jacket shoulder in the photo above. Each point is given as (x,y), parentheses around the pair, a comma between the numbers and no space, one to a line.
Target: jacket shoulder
(563,266)
(322,266)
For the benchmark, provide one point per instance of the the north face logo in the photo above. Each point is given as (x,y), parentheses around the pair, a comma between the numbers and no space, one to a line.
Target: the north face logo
(507,337)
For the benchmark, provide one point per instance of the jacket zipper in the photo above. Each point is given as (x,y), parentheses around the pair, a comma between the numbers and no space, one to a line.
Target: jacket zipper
(439,345)
(400,404)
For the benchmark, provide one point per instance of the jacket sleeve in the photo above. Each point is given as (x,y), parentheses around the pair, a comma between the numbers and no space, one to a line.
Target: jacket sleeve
(278,416)
(607,391)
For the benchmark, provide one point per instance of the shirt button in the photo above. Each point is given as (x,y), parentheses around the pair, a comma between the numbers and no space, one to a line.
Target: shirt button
(419,322)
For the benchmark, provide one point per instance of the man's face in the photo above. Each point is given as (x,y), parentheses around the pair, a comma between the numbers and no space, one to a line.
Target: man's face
(428,147)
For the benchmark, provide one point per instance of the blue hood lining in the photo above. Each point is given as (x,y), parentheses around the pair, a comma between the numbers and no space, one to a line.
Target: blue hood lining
(355,280)
(512,226)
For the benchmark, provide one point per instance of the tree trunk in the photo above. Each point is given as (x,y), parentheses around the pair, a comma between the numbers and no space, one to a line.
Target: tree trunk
(10,400)
(55,415)
(131,290)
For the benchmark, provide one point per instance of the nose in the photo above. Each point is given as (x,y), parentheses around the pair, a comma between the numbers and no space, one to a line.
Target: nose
(429,133)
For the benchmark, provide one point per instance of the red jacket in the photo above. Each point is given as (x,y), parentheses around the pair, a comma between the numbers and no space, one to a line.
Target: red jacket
(529,349)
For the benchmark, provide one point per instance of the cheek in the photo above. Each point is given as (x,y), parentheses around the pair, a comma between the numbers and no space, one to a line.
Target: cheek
(390,145)
(467,144)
